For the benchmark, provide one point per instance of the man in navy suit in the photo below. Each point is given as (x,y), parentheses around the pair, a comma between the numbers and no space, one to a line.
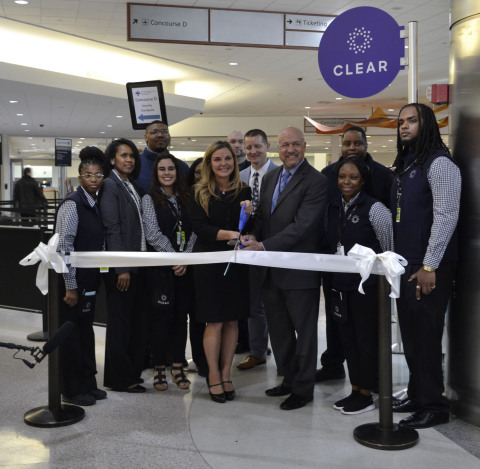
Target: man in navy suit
(290,218)
(256,147)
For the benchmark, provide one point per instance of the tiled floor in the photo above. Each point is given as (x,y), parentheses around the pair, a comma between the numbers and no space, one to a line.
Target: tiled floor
(178,429)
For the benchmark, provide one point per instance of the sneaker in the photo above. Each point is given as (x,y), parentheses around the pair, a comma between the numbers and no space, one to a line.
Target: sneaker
(359,405)
(339,405)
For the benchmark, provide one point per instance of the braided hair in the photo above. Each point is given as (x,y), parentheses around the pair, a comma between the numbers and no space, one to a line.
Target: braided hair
(91,155)
(428,140)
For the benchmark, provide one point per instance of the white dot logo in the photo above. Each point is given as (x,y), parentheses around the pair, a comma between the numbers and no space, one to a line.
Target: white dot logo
(359,40)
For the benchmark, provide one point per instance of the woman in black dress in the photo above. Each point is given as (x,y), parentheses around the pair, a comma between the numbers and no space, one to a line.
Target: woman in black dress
(221,300)
(168,228)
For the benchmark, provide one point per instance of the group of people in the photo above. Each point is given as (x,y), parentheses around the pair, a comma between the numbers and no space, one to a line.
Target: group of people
(146,204)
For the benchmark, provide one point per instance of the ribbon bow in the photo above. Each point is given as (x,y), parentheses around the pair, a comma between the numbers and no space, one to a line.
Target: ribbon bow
(392,263)
(48,257)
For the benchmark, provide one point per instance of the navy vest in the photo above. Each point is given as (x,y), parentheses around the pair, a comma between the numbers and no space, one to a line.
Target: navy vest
(167,219)
(89,237)
(348,229)
(412,233)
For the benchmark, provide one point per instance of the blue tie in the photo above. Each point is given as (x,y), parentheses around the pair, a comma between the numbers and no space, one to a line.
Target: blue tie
(283,182)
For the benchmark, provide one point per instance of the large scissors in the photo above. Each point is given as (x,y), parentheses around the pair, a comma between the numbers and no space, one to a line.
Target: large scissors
(241,225)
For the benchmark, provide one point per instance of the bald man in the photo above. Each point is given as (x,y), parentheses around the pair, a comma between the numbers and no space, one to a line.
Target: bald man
(289,217)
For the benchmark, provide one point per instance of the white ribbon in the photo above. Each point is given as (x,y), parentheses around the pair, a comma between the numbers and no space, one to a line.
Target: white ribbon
(359,260)
(49,258)
(393,266)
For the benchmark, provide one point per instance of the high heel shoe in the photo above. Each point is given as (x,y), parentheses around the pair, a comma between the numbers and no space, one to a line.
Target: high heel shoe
(179,378)
(220,398)
(229,395)
(160,379)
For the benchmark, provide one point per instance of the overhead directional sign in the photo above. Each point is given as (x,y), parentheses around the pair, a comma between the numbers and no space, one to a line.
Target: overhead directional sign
(360,52)
(307,22)
(170,23)
(253,28)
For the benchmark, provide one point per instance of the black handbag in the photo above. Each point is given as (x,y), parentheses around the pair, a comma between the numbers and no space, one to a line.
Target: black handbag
(339,306)
(163,291)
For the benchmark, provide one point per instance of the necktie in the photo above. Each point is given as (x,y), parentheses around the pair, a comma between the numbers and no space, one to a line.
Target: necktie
(283,182)
(286,177)
(255,194)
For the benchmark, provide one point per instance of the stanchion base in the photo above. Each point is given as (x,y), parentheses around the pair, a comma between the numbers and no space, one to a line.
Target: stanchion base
(46,418)
(371,435)
(40,336)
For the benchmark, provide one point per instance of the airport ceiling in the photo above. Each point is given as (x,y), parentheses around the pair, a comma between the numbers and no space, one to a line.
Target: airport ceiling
(267,82)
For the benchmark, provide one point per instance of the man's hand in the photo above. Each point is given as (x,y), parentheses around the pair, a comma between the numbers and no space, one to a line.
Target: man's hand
(425,282)
(250,243)
(179,270)
(71,297)
(123,281)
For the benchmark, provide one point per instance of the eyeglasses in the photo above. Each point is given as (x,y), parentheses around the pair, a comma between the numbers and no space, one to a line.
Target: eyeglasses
(198,172)
(89,176)
(159,131)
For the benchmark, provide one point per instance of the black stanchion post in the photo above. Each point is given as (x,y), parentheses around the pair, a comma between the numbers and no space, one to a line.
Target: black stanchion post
(55,414)
(385,435)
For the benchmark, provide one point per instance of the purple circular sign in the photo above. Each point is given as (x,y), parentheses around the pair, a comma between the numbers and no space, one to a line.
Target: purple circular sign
(360,51)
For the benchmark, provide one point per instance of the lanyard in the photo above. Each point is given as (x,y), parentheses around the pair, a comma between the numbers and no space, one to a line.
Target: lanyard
(177,213)
(399,189)
(343,219)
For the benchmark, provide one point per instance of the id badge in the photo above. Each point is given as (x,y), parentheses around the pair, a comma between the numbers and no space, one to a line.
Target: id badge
(340,250)
(181,239)
(104,270)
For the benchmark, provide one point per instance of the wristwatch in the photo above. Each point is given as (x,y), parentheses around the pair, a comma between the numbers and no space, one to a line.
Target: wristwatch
(428,269)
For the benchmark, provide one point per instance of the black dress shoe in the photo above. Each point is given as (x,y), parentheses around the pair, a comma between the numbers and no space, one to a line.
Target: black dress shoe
(294,401)
(136,389)
(98,394)
(425,419)
(404,405)
(80,399)
(330,373)
(278,391)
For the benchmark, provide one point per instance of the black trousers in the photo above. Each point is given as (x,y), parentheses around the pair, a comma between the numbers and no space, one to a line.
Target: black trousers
(421,324)
(168,328)
(334,355)
(126,335)
(359,337)
(292,317)
(77,352)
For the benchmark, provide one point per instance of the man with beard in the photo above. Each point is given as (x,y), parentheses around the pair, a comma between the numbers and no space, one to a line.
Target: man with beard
(425,202)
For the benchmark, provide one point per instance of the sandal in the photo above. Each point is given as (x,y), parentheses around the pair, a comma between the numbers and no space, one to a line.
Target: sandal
(160,379)
(179,378)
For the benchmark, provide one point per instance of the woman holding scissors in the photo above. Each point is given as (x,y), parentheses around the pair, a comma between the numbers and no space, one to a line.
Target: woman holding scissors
(220,296)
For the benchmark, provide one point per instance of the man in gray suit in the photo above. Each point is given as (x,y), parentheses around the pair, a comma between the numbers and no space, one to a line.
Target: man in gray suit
(256,147)
(290,218)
